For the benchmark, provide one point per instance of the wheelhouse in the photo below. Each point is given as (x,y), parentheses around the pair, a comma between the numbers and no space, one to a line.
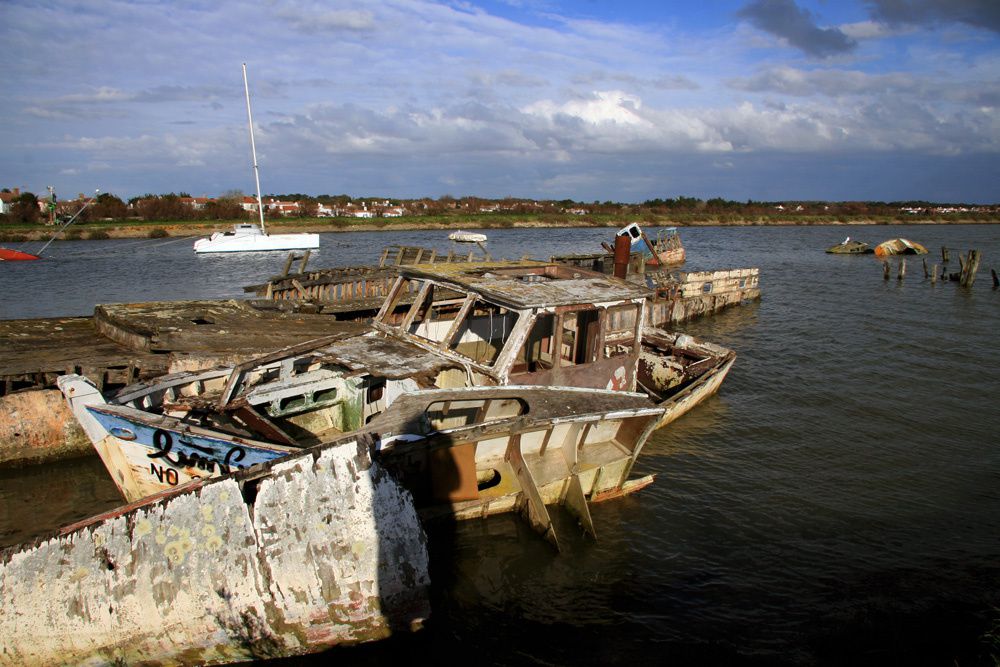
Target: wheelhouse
(522,322)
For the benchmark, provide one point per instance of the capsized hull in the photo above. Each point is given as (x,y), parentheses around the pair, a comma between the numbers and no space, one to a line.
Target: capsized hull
(850,248)
(467,237)
(11,255)
(899,247)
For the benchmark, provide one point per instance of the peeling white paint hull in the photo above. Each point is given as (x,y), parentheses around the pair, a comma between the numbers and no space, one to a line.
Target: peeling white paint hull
(680,404)
(327,551)
(679,372)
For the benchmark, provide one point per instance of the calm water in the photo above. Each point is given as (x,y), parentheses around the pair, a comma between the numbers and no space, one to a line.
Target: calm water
(837,503)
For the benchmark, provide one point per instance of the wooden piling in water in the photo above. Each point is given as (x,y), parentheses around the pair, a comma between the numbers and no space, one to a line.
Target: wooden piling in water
(926,274)
(288,263)
(970,268)
(886,270)
(944,255)
(934,274)
(996,279)
(902,270)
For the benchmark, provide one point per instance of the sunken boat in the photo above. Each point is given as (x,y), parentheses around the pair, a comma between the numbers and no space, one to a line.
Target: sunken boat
(850,247)
(526,335)
(462,452)
(899,246)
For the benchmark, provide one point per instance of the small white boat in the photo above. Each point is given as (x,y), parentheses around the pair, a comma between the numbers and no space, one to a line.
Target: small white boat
(248,237)
(467,237)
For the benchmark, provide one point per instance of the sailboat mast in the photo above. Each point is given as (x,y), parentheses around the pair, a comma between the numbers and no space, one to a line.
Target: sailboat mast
(253,149)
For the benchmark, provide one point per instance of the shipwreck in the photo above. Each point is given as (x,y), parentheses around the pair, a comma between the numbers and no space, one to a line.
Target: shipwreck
(515,343)
(318,549)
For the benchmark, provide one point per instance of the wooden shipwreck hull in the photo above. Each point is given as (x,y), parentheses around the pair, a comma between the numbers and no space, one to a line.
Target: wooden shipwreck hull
(318,549)
(456,326)
(687,371)
(461,452)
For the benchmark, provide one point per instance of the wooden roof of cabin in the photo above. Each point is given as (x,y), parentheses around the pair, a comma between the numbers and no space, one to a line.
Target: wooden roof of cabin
(526,284)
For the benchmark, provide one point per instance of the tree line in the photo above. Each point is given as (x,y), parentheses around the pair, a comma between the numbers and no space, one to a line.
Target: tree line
(25,209)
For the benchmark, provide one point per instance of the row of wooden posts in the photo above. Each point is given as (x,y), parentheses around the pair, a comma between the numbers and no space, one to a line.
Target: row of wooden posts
(968,266)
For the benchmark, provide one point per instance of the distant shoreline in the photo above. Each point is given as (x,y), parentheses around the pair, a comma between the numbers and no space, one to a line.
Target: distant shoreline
(113,230)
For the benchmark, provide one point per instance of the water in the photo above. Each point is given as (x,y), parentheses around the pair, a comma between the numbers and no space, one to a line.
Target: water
(837,503)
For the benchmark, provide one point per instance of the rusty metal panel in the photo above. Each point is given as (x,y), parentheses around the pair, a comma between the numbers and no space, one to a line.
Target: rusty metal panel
(453,472)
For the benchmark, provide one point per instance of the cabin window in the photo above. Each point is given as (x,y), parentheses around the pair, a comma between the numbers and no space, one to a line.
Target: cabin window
(484,332)
(376,390)
(536,353)
(619,334)
(579,337)
(291,403)
(706,288)
(325,395)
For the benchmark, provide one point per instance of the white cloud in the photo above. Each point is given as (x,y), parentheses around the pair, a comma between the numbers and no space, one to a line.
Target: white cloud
(604,107)
(316,17)
(867,30)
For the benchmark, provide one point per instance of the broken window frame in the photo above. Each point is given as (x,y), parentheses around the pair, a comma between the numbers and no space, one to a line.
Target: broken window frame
(589,347)
(622,339)
(464,324)
(522,355)
(399,289)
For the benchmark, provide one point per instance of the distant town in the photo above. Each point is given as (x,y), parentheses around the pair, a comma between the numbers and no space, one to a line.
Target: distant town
(21,208)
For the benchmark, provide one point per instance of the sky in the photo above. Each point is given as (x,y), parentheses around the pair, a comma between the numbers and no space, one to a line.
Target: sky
(770,100)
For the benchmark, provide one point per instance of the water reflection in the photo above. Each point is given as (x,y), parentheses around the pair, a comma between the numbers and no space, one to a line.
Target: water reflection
(36,500)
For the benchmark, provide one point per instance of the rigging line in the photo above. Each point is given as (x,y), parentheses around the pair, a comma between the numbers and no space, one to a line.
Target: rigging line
(145,242)
(174,240)
(135,244)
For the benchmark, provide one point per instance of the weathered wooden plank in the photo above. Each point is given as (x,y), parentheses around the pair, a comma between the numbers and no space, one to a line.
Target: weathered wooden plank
(213,326)
(34,348)
(124,342)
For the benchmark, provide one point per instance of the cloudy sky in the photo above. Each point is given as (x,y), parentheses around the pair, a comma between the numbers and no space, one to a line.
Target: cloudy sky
(585,99)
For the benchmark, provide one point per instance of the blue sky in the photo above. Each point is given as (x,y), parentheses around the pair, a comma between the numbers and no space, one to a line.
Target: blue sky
(588,100)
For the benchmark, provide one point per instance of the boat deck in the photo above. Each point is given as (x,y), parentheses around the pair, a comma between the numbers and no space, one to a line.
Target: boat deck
(123,343)
(37,351)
